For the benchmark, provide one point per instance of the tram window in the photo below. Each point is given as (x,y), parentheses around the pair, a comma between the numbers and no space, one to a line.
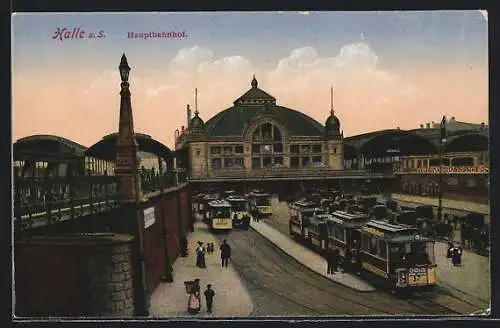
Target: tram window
(339,232)
(395,252)
(373,245)
(382,248)
(365,242)
(407,248)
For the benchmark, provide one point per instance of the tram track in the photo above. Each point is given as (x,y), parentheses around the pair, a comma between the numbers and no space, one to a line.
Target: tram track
(261,263)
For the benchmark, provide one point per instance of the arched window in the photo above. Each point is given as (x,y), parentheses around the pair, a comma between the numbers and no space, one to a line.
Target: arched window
(267,147)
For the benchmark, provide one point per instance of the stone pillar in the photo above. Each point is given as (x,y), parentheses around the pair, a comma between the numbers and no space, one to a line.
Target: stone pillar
(128,171)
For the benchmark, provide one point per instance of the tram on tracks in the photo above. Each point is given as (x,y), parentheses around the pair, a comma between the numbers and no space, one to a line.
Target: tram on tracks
(219,215)
(301,213)
(392,254)
(318,230)
(344,234)
(262,201)
(240,211)
(397,255)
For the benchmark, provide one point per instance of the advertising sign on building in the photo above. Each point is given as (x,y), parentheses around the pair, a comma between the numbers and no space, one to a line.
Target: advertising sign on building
(149,217)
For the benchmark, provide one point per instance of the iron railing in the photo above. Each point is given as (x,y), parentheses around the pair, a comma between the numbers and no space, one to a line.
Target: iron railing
(40,201)
(152,182)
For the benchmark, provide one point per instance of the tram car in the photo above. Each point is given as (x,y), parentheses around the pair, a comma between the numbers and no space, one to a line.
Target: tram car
(300,214)
(262,201)
(197,201)
(204,207)
(344,234)
(239,207)
(220,215)
(398,256)
(318,230)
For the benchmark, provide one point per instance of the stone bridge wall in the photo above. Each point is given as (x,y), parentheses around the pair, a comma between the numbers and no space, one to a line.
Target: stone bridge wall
(74,275)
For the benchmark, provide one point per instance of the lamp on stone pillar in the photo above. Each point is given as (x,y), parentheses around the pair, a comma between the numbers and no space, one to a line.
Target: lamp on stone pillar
(126,151)
(127,169)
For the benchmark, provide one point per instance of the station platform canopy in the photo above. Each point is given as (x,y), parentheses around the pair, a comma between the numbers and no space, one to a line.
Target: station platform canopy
(47,148)
(385,143)
(105,149)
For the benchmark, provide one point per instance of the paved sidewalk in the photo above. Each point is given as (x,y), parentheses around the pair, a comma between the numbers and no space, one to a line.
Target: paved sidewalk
(308,258)
(447,203)
(469,282)
(231,297)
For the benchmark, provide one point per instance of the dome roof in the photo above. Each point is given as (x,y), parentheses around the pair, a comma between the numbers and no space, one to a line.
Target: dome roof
(233,121)
(332,124)
(255,102)
(196,121)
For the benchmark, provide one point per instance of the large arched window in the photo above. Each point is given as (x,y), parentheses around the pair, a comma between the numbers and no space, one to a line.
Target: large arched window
(267,147)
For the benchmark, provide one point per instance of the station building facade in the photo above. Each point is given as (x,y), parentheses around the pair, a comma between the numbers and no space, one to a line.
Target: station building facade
(256,134)
(256,137)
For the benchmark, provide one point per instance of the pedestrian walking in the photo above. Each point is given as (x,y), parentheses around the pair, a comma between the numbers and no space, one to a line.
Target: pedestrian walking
(459,255)
(225,253)
(327,255)
(209,297)
(200,255)
(454,256)
(449,252)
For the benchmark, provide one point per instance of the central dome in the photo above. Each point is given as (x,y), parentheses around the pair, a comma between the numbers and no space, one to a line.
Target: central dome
(233,121)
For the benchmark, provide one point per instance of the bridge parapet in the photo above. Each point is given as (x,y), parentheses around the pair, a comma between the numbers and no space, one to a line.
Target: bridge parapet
(42,201)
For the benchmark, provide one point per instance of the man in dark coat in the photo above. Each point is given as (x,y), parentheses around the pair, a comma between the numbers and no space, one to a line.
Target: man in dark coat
(209,297)
(332,260)
(225,253)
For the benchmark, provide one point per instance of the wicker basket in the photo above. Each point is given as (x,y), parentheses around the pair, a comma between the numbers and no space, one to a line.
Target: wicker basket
(189,286)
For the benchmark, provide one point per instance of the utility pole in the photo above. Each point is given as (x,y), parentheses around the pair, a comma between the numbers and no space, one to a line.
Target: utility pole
(442,141)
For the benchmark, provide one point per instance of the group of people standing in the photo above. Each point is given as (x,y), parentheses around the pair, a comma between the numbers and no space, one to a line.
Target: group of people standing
(194,304)
(225,253)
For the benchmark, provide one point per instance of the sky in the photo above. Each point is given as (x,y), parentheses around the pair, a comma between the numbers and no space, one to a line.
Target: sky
(388,69)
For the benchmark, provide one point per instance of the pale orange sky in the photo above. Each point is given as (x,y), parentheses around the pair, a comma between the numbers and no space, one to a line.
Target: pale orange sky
(83,105)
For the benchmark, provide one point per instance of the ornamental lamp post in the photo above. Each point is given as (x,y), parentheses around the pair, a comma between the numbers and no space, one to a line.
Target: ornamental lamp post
(442,142)
(127,169)
(124,69)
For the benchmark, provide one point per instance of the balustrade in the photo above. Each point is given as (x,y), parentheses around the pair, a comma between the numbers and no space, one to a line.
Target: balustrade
(41,201)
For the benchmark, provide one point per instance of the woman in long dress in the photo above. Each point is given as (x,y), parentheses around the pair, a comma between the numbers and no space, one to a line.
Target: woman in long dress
(200,255)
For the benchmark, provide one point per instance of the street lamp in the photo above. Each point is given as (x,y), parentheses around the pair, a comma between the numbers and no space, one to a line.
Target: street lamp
(124,69)
(442,141)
